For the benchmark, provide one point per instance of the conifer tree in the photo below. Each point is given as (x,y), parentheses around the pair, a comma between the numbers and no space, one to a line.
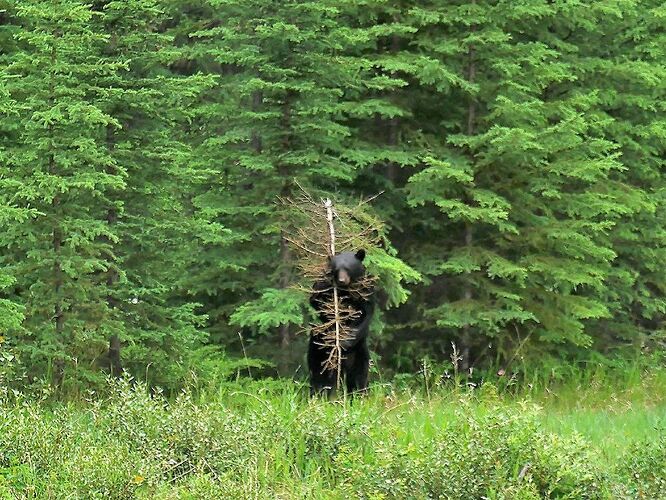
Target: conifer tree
(60,168)
(519,176)
(158,327)
(519,149)
(11,314)
(627,67)
(284,79)
(95,152)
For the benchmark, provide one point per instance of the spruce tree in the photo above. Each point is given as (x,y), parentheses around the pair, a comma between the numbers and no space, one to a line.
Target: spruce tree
(277,115)
(11,314)
(627,67)
(59,167)
(518,146)
(519,174)
(158,325)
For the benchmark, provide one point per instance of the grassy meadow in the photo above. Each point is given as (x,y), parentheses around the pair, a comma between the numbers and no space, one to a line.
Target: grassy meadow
(594,437)
(163,171)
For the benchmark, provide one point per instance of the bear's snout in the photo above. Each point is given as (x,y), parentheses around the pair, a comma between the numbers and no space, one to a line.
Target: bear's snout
(343,277)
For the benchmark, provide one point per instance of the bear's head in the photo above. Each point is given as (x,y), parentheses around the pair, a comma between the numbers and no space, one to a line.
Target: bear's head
(347,267)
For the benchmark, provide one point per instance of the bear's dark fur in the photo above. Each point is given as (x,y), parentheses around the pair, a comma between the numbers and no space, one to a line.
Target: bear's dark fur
(345,269)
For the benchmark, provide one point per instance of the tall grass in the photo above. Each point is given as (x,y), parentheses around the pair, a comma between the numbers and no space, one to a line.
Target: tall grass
(265,439)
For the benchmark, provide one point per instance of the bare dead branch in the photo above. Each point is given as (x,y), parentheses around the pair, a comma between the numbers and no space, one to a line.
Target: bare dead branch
(315,231)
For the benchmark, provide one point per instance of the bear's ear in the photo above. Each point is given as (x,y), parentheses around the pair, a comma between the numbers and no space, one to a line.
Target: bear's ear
(360,255)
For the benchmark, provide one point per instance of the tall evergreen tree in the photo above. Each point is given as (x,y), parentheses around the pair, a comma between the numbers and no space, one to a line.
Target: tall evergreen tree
(519,147)
(59,167)
(284,80)
(152,214)
(11,313)
(94,151)
(627,67)
(520,175)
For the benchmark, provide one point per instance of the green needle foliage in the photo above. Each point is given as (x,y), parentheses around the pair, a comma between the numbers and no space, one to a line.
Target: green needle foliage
(58,165)
(158,328)
(518,148)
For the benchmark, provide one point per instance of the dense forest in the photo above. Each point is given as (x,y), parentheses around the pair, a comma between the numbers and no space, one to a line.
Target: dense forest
(516,150)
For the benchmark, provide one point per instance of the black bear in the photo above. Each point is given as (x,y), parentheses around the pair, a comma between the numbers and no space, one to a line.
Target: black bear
(345,270)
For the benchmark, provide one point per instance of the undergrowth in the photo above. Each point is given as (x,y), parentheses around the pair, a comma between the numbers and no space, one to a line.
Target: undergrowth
(267,440)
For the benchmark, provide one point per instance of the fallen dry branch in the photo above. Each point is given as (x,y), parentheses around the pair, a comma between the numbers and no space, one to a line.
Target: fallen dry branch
(318,230)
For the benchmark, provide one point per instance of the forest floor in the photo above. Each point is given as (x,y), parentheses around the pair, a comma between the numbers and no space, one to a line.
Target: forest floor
(594,438)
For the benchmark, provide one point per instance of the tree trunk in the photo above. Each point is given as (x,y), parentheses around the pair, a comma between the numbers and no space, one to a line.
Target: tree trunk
(285,334)
(114,352)
(58,312)
(285,253)
(392,139)
(466,340)
(56,242)
(257,100)
(393,124)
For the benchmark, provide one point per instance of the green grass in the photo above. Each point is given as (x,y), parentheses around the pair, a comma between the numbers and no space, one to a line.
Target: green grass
(265,439)
(609,433)
(612,412)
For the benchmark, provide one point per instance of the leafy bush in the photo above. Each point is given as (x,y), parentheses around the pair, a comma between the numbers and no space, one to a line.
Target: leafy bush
(644,465)
(266,440)
(495,452)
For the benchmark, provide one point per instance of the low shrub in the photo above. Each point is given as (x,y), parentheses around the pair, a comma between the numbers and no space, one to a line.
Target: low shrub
(268,441)
(644,467)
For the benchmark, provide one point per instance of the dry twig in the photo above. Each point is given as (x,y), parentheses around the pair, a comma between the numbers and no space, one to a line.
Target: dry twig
(319,230)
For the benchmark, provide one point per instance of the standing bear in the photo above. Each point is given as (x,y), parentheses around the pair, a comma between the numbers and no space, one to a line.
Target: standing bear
(346,270)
